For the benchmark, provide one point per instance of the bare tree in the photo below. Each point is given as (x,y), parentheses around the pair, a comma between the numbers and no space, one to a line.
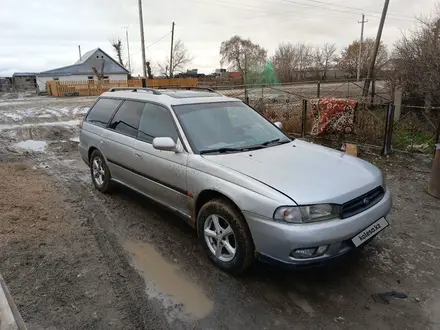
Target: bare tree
(236,50)
(306,57)
(149,73)
(325,58)
(98,68)
(348,60)
(289,60)
(285,61)
(118,48)
(181,58)
(416,62)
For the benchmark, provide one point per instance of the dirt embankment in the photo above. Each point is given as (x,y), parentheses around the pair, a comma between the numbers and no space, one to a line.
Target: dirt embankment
(50,259)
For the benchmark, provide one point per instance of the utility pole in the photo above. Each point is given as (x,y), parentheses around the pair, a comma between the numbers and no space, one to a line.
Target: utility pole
(171,54)
(128,48)
(141,23)
(246,94)
(376,49)
(79,50)
(360,47)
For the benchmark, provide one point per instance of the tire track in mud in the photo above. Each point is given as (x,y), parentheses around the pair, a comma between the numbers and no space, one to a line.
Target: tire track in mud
(127,284)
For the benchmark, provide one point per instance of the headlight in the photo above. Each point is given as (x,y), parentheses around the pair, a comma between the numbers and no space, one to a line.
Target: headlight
(308,213)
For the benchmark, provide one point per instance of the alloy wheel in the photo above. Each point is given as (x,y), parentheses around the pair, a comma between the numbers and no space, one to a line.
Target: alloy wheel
(98,171)
(220,238)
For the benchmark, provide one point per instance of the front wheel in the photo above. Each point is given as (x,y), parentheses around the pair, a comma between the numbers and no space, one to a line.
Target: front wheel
(100,172)
(225,236)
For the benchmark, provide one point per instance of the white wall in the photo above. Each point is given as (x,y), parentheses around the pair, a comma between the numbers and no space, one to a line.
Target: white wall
(41,81)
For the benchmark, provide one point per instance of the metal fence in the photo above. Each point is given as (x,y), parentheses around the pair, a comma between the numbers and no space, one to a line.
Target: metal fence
(410,129)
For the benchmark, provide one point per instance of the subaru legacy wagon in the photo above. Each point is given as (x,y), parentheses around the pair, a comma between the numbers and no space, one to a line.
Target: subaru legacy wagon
(250,191)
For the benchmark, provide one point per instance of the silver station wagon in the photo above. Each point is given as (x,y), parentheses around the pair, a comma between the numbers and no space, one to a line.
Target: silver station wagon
(249,190)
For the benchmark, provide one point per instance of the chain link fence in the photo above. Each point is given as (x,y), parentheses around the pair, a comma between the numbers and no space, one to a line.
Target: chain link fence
(413,129)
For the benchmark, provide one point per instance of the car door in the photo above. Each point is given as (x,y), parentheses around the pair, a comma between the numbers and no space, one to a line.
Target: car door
(118,139)
(162,173)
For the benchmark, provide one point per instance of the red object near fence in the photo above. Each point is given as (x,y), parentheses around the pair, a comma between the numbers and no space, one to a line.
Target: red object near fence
(333,116)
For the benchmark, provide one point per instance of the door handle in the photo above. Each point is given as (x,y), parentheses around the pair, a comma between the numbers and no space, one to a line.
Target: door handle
(138,155)
(102,142)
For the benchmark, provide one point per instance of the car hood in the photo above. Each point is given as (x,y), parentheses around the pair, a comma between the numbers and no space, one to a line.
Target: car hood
(305,172)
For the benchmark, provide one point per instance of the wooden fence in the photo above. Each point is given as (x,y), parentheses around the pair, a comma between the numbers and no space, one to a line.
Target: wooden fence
(95,87)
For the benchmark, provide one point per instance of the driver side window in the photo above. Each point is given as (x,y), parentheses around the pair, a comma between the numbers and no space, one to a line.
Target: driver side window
(156,121)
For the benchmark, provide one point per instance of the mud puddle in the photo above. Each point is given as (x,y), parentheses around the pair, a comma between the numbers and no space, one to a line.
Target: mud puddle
(181,298)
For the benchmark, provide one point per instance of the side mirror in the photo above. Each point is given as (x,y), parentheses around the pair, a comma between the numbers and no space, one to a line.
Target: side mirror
(279,125)
(164,144)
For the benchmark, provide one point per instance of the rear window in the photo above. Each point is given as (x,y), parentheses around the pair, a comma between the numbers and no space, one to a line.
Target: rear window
(126,120)
(101,113)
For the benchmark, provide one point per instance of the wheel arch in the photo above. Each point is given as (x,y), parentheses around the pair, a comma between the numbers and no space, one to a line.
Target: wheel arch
(208,195)
(91,149)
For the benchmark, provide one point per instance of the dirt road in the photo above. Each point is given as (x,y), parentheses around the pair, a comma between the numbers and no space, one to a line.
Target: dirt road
(76,259)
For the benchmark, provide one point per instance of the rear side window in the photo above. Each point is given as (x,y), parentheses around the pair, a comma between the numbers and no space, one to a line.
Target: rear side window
(126,120)
(101,113)
(156,121)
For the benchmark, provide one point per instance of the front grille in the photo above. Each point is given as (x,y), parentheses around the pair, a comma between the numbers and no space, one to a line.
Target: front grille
(362,203)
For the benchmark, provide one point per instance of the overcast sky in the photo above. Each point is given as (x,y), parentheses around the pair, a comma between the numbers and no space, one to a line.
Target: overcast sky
(37,35)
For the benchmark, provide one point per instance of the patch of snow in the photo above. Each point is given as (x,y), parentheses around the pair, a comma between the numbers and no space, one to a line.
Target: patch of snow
(32,145)
(74,139)
(82,110)
(55,113)
(45,115)
(13,116)
(74,122)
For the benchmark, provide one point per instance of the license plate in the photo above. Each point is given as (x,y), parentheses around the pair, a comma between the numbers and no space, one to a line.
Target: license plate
(370,232)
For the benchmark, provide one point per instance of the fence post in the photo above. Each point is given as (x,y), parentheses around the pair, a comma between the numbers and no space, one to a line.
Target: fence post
(304,118)
(388,134)
(318,94)
(373,91)
(144,82)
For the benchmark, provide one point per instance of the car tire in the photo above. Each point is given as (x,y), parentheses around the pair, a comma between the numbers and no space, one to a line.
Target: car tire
(231,234)
(100,172)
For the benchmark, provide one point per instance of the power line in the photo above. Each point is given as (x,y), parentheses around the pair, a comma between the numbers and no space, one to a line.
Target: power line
(152,44)
(354,8)
(160,39)
(228,4)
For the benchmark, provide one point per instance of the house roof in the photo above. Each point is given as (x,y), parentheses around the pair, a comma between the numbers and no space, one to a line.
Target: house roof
(24,74)
(87,55)
(85,64)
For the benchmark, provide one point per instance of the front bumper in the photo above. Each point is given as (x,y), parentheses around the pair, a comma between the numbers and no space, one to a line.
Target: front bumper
(275,241)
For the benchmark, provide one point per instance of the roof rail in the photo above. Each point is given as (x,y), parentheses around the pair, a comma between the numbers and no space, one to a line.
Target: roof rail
(190,87)
(135,89)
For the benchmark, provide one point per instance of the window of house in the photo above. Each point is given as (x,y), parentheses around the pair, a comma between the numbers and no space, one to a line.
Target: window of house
(156,121)
(101,113)
(106,79)
(126,120)
(90,77)
(56,79)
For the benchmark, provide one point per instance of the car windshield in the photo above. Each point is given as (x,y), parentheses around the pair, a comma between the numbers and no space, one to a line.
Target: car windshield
(227,127)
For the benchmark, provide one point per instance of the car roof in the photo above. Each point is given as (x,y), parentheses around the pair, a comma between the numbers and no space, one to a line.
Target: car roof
(169,97)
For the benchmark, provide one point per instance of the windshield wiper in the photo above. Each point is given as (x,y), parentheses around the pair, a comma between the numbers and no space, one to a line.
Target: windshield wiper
(273,141)
(222,150)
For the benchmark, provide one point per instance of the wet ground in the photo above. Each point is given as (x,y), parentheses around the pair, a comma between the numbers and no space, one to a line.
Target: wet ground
(77,259)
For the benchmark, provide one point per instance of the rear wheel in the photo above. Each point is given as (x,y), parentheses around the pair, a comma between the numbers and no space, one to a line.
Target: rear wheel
(100,172)
(225,236)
